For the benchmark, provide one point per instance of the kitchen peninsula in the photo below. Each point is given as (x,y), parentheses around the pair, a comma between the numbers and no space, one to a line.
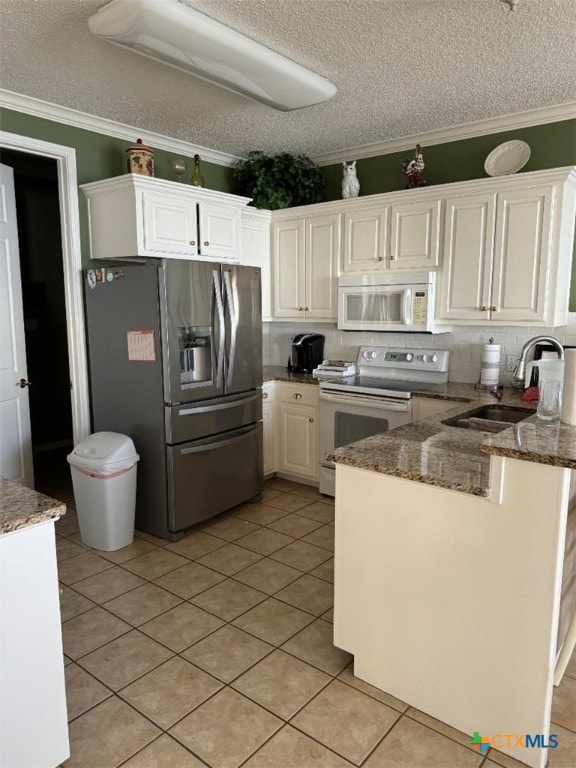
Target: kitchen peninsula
(451,581)
(33,719)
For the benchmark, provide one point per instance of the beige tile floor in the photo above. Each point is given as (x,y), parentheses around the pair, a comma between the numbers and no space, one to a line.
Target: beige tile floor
(217,651)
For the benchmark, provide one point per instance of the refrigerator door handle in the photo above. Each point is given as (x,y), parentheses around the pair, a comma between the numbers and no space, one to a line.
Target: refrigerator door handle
(233,326)
(215,445)
(219,407)
(222,342)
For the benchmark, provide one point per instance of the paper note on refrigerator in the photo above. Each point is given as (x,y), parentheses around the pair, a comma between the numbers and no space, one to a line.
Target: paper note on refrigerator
(141,346)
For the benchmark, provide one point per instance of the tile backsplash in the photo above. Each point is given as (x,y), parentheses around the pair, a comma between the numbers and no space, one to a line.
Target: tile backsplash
(463,342)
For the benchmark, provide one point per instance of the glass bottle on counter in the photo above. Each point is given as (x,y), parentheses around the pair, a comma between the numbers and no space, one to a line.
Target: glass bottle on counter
(197,178)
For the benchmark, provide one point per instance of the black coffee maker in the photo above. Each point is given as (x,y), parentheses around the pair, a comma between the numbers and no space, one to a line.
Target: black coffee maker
(307,352)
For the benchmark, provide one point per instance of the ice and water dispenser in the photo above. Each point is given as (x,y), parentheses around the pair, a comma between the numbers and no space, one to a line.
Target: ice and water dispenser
(195,353)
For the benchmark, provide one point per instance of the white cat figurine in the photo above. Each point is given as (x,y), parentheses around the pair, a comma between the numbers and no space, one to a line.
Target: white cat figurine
(350,183)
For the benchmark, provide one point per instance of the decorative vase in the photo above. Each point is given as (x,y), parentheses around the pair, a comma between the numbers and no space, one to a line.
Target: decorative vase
(197,179)
(140,159)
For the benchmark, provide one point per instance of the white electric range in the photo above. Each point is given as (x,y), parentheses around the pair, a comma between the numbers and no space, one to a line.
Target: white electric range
(376,400)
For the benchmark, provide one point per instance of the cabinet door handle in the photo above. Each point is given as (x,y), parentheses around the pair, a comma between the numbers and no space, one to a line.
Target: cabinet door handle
(297,396)
(311,420)
(494,309)
(264,394)
(381,258)
(206,242)
(306,309)
(484,309)
(300,309)
(192,242)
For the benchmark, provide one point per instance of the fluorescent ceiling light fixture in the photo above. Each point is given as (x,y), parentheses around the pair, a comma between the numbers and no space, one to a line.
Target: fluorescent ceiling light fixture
(177,35)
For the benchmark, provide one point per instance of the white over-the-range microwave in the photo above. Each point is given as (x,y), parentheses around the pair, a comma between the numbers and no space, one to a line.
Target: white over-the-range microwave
(388,302)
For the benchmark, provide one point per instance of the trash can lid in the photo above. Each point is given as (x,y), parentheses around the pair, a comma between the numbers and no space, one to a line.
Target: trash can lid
(105,451)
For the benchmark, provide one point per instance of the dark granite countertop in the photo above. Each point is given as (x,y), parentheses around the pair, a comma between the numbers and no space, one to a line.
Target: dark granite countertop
(431,452)
(21,507)
(279,373)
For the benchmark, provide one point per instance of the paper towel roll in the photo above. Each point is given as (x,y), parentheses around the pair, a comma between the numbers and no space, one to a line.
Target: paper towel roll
(490,366)
(569,389)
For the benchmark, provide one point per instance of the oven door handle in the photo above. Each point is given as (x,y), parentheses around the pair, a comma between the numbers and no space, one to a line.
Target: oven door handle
(375,402)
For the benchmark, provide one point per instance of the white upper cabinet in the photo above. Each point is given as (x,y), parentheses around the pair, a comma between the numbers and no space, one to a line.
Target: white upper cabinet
(135,215)
(466,274)
(508,250)
(366,235)
(219,227)
(306,254)
(414,237)
(170,225)
(522,255)
(255,250)
(396,233)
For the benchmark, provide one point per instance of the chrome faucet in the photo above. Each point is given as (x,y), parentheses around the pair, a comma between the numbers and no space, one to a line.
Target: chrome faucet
(520,370)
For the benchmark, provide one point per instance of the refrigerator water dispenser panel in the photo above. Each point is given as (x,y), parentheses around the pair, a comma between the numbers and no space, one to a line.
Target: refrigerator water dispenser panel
(195,354)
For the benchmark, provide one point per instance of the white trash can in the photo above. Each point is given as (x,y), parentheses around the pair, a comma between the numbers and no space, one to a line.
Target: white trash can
(104,478)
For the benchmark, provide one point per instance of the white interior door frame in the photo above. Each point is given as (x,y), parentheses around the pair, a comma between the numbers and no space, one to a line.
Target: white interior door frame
(72,261)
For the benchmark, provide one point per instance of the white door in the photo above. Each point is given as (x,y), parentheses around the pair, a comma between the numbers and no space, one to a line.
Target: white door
(16,441)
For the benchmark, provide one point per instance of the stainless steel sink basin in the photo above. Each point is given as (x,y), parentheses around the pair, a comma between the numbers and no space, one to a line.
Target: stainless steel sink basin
(501,414)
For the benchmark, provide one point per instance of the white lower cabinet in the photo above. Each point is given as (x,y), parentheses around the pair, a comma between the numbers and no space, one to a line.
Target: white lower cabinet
(269,427)
(33,719)
(422,407)
(296,430)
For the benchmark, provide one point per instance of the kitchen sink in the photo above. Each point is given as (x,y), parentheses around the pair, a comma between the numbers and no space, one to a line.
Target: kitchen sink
(493,417)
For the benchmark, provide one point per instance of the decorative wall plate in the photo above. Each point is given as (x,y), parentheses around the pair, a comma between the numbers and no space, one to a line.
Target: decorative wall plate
(507,158)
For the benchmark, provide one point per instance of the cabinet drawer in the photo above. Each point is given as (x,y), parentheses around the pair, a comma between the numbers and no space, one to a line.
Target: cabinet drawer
(298,394)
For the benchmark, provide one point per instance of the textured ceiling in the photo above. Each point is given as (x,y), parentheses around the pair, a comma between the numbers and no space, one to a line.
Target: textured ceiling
(402,67)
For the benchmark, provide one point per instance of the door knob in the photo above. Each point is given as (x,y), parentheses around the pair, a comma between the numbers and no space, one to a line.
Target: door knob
(297,396)
(311,420)
(264,394)
(23,383)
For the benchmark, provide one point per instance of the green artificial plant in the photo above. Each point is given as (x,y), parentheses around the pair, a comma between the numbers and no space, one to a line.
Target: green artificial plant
(278,181)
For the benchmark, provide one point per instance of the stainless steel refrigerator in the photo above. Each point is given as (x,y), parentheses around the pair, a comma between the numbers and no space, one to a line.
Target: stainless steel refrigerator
(175,351)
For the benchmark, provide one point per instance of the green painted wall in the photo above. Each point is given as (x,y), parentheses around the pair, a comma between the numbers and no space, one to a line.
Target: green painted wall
(552,145)
(99,157)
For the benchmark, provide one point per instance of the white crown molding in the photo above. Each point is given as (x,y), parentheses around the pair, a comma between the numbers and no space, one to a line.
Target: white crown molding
(551,114)
(38,108)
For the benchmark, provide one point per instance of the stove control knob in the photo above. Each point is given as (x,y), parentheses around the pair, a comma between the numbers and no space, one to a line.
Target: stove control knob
(366,354)
(424,358)
(373,355)
(434,358)
(409,357)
